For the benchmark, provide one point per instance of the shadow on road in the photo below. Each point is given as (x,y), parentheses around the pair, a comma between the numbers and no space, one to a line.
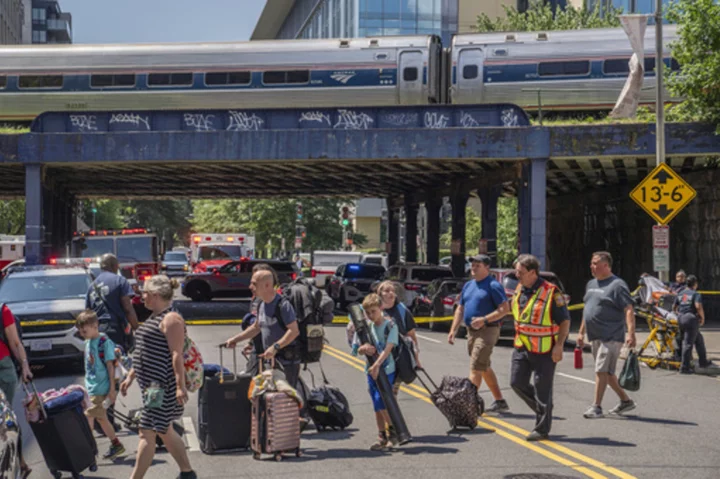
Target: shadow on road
(329,434)
(653,420)
(592,441)
(540,475)
(522,416)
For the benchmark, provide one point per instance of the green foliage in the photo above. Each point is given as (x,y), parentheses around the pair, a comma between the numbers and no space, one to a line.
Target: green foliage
(12,217)
(108,216)
(540,17)
(507,224)
(170,219)
(271,220)
(473,231)
(12,130)
(698,51)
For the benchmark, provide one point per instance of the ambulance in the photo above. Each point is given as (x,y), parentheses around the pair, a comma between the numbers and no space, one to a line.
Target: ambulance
(12,248)
(211,251)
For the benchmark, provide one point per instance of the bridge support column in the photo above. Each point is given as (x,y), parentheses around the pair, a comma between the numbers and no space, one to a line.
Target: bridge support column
(489,203)
(432,212)
(411,232)
(34,229)
(458,202)
(532,209)
(393,235)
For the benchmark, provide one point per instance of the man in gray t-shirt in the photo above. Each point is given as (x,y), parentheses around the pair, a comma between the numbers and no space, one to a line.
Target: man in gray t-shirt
(608,309)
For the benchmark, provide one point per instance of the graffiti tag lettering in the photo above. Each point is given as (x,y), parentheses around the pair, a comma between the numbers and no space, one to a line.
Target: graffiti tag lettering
(131,118)
(199,122)
(352,120)
(467,121)
(401,119)
(84,122)
(436,120)
(241,121)
(509,118)
(315,116)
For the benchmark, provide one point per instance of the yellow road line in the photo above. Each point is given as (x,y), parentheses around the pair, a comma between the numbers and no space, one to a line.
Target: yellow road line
(357,362)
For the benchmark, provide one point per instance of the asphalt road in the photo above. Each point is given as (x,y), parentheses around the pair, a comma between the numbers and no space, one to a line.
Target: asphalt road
(674,431)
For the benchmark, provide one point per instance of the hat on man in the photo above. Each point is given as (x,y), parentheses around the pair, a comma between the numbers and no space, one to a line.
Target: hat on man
(481,258)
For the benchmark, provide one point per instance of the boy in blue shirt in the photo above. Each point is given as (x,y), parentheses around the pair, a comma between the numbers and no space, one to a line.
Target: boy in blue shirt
(385,337)
(99,377)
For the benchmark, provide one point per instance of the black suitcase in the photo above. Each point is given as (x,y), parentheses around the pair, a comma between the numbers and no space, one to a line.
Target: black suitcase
(65,439)
(457,398)
(224,411)
(328,407)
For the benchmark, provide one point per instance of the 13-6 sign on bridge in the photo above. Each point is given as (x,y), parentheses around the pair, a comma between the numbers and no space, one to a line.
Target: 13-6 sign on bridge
(663,194)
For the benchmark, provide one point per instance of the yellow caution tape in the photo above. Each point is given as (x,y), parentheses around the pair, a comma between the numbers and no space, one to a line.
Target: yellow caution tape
(41,323)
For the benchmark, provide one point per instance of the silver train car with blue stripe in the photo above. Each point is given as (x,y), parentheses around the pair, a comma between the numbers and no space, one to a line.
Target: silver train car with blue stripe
(574,70)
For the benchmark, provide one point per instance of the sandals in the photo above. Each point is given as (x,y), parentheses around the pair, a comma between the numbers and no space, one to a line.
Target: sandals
(25,472)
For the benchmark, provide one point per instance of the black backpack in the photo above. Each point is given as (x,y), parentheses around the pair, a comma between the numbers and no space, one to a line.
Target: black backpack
(404,356)
(328,407)
(18,326)
(306,299)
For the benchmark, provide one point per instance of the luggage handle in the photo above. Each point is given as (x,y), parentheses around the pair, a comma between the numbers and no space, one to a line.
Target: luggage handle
(429,379)
(222,368)
(35,393)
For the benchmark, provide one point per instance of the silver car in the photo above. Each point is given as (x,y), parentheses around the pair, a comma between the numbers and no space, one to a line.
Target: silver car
(175,263)
(47,300)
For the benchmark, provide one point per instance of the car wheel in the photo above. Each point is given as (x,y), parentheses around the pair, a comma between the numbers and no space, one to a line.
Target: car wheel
(199,292)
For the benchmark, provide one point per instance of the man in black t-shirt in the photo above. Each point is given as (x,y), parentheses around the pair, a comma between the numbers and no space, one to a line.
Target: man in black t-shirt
(691,316)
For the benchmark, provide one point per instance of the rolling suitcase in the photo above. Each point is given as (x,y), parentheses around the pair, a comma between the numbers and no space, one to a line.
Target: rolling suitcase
(224,410)
(64,435)
(457,399)
(275,424)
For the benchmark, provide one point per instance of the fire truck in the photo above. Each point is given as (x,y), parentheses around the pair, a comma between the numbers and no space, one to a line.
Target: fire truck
(12,248)
(136,249)
(210,251)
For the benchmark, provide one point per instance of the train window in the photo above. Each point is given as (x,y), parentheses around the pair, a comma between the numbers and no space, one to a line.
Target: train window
(108,81)
(227,78)
(649,65)
(470,72)
(170,79)
(283,77)
(674,65)
(581,67)
(410,74)
(40,81)
(3,81)
(616,66)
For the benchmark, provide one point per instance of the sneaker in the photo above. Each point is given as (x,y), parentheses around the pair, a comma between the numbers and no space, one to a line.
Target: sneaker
(381,443)
(536,436)
(623,407)
(114,451)
(187,475)
(593,412)
(498,406)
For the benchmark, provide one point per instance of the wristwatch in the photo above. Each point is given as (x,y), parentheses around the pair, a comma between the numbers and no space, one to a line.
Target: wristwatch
(276,346)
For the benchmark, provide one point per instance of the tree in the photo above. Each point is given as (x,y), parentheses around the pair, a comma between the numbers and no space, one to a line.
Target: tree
(170,219)
(473,231)
(12,217)
(698,52)
(108,215)
(540,17)
(507,234)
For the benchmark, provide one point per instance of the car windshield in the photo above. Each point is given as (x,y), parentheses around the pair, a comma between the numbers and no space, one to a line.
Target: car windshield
(426,274)
(209,253)
(364,271)
(134,248)
(175,256)
(334,260)
(43,288)
(92,247)
(373,260)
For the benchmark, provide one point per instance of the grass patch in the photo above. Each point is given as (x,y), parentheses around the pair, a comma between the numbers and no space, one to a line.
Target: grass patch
(12,130)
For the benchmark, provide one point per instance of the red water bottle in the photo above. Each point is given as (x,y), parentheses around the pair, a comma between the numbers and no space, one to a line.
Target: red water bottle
(578,358)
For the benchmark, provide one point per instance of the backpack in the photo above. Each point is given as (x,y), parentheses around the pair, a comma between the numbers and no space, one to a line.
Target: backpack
(193,363)
(18,326)
(328,407)
(307,301)
(404,356)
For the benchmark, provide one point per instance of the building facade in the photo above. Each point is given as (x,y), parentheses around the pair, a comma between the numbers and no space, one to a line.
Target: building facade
(12,16)
(49,23)
(628,6)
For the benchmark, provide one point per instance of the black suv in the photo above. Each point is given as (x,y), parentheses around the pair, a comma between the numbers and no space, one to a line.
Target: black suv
(352,282)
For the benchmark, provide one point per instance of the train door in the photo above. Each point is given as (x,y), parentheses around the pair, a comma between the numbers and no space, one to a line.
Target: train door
(410,78)
(469,76)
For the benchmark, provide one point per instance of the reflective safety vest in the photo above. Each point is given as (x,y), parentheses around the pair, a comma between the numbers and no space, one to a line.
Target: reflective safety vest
(534,327)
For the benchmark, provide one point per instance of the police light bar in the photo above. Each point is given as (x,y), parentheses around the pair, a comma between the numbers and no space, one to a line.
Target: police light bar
(126,231)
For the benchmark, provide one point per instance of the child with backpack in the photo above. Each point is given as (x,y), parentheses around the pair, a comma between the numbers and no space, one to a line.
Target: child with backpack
(99,377)
(385,336)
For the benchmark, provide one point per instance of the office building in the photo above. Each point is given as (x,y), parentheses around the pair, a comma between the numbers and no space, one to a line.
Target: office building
(628,6)
(12,15)
(49,23)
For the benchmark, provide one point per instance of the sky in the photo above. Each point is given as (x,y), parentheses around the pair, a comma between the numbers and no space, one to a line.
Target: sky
(140,21)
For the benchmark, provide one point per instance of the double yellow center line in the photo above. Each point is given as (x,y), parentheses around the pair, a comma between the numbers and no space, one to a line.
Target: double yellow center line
(506,430)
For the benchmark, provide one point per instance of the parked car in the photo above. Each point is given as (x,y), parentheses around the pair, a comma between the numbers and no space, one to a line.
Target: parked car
(233,279)
(414,277)
(439,299)
(52,294)
(325,263)
(175,263)
(509,281)
(352,282)
(447,261)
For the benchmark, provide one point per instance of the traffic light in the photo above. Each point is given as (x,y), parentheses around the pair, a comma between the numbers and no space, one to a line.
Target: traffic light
(94,210)
(299,212)
(345,216)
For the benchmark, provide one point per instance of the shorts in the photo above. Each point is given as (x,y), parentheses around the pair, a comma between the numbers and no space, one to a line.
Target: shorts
(606,354)
(481,343)
(378,404)
(96,410)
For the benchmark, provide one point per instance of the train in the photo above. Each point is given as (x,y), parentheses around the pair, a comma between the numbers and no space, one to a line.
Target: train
(578,70)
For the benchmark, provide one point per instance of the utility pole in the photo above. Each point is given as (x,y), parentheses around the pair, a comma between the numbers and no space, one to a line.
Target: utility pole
(659,100)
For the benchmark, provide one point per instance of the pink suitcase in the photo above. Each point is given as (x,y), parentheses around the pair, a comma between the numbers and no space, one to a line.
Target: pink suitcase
(275,425)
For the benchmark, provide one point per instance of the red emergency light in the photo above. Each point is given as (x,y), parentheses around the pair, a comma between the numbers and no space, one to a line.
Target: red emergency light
(196,239)
(53,261)
(126,231)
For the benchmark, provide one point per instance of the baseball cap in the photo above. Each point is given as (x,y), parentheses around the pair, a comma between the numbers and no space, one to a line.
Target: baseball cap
(481,258)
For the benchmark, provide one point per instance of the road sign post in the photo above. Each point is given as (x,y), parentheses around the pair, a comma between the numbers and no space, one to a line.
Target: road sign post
(661,248)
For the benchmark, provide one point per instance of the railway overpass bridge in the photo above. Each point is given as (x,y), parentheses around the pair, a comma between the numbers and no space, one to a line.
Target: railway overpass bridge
(413,156)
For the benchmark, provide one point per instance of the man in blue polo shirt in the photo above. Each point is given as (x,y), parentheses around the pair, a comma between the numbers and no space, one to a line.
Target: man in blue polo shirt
(482,306)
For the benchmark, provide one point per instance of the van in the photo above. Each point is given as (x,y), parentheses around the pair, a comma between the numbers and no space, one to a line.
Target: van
(325,263)
(378,259)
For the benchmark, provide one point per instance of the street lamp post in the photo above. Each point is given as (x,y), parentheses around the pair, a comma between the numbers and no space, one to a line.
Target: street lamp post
(659,100)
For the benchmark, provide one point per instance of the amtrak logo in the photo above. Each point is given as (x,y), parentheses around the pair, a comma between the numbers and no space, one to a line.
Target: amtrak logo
(342,77)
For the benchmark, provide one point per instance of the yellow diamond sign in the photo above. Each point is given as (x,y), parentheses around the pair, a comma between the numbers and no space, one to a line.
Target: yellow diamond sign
(663,194)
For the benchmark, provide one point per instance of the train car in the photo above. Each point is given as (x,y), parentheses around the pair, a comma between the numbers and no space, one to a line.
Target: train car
(402,70)
(571,70)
